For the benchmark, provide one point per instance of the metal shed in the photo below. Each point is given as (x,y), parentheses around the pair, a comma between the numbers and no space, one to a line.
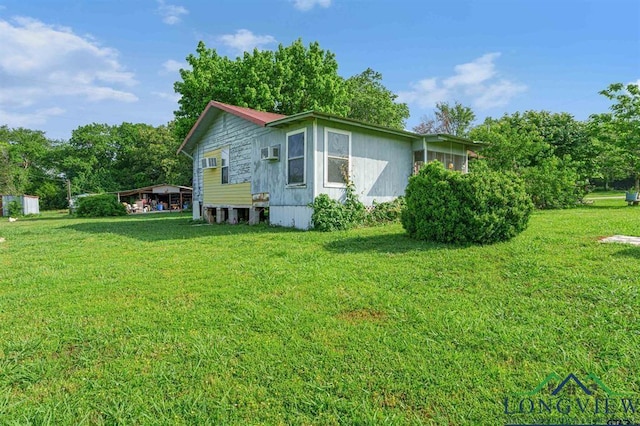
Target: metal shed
(30,204)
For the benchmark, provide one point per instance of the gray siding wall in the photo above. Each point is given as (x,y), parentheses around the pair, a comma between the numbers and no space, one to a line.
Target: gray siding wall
(271,176)
(380,165)
(241,136)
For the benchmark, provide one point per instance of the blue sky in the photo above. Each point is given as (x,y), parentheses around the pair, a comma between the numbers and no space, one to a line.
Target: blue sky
(64,64)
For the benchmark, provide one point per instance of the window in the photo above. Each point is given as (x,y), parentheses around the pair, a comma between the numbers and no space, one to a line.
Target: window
(224,165)
(338,154)
(450,161)
(418,161)
(296,157)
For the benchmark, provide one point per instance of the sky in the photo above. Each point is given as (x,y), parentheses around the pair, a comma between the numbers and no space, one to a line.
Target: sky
(65,64)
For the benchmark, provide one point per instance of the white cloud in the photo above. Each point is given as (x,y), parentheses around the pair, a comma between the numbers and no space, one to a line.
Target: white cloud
(305,5)
(637,82)
(171,14)
(476,83)
(172,66)
(31,119)
(474,72)
(245,41)
(173,97)
(41,64)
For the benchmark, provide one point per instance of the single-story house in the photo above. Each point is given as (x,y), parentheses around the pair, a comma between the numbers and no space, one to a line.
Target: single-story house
(246,160)
(29,204)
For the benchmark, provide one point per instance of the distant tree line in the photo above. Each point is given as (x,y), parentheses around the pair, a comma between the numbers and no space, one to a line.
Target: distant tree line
(98,158)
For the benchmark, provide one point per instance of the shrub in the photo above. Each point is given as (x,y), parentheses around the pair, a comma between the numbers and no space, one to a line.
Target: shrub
(552,184)
(332,215)
(14,208)
(387,212)
(479,207)
(100,206)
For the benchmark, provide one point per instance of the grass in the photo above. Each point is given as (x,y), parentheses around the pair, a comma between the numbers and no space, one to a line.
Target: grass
(151,320)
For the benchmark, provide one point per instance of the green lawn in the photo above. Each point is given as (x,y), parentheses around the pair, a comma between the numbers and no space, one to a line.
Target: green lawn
(152,320)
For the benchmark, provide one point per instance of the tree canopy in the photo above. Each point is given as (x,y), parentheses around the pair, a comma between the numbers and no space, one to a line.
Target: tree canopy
(619,129)
(289,80)
(453,120)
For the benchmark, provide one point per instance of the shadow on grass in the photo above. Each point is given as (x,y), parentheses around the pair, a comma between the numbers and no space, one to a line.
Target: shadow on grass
(171,227)
(389,243)
(632,252)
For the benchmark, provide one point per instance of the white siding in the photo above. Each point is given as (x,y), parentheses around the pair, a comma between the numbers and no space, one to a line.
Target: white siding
(290,216)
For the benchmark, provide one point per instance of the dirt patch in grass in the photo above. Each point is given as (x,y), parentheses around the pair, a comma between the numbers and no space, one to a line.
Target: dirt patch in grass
(362,315)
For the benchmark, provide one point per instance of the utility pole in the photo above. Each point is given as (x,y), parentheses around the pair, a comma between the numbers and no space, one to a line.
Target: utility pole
(69,194)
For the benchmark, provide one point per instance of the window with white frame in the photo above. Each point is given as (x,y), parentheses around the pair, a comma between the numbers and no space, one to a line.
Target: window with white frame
(224,165)
(296,148)
(337,156)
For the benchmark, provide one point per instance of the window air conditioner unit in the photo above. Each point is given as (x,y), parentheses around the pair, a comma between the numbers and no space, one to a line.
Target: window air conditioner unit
(209,163)
(270,153)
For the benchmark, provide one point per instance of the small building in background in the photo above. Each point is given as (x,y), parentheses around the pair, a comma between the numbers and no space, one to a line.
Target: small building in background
(162,197)
(29,204)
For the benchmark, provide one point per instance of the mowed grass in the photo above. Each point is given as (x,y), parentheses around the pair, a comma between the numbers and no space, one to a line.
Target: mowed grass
(152,320)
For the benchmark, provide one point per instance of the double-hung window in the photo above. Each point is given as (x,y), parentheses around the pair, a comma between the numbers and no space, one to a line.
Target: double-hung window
(337,157)
(296,148)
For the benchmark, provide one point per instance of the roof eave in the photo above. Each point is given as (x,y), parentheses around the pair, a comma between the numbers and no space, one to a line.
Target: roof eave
(330,117)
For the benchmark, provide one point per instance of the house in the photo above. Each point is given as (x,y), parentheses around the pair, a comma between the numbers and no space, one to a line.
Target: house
(245,161)
(29,204)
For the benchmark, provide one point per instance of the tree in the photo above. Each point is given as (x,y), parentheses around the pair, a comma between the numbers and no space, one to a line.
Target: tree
(371,102)
(288,81)
(621,126)
(529,144)
(22,154)
(453,120)
(101,157)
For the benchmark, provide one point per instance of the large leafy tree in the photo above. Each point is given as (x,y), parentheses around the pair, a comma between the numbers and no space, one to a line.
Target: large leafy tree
(102,157)
(620,128)
(550,151)
(289,80)
(370,101)
(455,119)
(23,155)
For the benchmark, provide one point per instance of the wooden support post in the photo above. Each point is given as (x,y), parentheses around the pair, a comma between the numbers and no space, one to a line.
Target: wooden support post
(233,216)
(254,216)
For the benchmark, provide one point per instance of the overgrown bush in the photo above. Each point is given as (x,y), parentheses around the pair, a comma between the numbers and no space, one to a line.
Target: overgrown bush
(552,184)
(100,206)
(332,215)
(386,212)
(480,207)
(14,208)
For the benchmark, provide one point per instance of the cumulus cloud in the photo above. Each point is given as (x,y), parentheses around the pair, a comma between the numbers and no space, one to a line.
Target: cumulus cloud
(305,5)
(40,64)
(30,119)
(171,14)
(173,97)
(171,66)
(478,82)
(245,41)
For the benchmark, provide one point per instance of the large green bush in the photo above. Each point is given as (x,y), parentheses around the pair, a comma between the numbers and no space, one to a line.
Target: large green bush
(14,208)
(332,215)
(552,184)
(479,207)
(100,206)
